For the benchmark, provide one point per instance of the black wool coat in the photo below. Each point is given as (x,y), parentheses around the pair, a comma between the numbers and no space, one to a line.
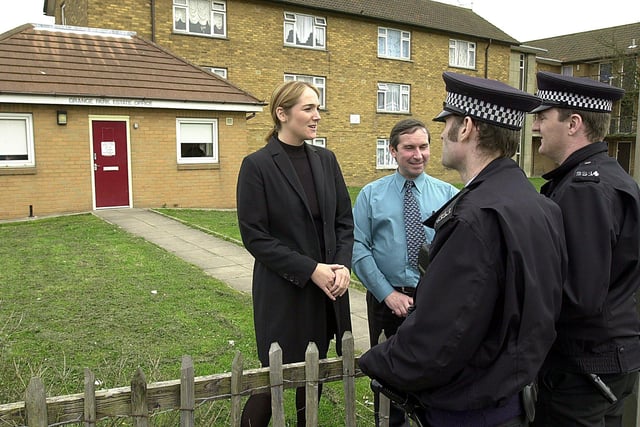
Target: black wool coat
(486,308)
(278,229)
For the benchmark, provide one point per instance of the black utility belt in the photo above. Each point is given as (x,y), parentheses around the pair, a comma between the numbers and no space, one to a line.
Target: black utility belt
(407,290)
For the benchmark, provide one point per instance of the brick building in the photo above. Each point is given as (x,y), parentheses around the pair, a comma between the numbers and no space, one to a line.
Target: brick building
(375,61)
(609,55)
(101,118)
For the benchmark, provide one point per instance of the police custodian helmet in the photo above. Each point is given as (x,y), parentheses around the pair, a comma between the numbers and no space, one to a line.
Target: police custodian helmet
(577,93)
(486,100)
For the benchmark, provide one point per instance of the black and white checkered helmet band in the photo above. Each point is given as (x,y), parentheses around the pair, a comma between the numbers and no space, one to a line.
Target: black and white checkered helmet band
(581,102)
(486,111)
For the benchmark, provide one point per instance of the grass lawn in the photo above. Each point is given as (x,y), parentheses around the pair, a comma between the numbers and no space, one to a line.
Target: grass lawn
(78,292)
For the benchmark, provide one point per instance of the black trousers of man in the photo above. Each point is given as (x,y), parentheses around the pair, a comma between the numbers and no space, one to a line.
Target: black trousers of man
(381,319)
(571,399)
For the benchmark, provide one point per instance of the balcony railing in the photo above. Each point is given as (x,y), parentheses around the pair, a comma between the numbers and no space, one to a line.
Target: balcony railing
(623,124)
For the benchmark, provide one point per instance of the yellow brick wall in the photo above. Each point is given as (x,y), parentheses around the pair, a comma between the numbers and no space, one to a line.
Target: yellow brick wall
(75,12)
(256,59)
(61,181)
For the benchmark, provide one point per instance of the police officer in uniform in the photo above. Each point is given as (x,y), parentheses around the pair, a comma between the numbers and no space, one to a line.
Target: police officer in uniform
(593,364)
(486,307)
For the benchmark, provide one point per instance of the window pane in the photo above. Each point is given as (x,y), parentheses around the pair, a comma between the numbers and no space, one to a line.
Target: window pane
(382,45)
(218,24)
(197,141)
(196,132)
(384,160)
(16,140)
(606,72)
(319,36)
(180,18)
(304,30)
(288,32)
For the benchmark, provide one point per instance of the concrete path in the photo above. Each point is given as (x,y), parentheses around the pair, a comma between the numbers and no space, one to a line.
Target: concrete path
(218,258)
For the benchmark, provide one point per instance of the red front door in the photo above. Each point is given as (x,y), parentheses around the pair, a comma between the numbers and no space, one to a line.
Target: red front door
(110,164)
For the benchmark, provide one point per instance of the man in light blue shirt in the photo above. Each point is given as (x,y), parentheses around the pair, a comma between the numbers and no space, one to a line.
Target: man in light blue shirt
(380,255)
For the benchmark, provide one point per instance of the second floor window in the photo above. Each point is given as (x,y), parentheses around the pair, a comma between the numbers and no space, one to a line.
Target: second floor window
(384,159)
(304,30)
(462,54)
(606,72)
(393,98)
(201,17)
(318,82)
(394,43)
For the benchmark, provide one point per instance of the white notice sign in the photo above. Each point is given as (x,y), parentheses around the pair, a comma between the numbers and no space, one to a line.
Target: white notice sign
(108,148)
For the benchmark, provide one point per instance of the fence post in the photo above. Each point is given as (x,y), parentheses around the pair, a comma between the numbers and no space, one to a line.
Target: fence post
(349,378)
(236,388)
(384,405)
(311,370)
(89,398)
(36,404)
(276,380)
(139,411)
(187,393)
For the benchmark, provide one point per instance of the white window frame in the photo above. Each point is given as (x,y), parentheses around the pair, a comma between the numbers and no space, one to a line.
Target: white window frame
(385,102)
(384,159)
(318,142)
(296,21)
(567,70)
(317,81)
(218,14)
(222,72)
(200,139)
(402,39)
(462,54)
(17,140)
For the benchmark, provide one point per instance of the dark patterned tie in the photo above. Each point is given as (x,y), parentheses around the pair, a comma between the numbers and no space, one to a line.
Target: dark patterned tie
(412,224)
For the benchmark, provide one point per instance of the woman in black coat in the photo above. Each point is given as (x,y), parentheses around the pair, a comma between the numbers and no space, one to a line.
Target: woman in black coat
(295,218)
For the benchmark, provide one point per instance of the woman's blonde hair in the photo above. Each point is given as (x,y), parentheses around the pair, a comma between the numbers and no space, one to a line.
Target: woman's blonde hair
(286,95)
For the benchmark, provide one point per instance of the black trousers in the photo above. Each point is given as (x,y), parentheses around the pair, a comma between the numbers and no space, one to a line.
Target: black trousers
(381,319)
(568,399)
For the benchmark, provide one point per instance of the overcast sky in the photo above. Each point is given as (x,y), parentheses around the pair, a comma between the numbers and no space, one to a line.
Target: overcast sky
(521,20)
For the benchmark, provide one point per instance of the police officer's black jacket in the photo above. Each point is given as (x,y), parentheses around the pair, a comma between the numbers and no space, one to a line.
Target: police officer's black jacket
(599,329)
(487,304)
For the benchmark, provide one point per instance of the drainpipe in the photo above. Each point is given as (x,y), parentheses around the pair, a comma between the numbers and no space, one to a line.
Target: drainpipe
(486,59)
(636,157)
(153,20)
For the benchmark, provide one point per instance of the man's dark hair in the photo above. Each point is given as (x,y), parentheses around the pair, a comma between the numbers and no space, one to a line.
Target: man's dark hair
(404,127)
(596,122)
(491,139)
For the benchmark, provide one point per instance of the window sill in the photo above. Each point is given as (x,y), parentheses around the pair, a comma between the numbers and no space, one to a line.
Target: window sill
(395,58)
(198,166)
(208,36)
(296,46)
(402,113)
(31,170)
(462,67)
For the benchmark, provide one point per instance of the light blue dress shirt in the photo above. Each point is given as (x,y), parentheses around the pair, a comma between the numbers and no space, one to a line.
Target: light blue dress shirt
(380,248)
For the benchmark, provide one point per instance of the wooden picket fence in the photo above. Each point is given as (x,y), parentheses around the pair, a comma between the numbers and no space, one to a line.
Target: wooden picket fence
(141,400)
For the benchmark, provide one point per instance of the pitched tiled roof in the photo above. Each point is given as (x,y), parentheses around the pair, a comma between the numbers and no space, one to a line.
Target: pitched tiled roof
(420,13)
(74,61)
(590,45)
